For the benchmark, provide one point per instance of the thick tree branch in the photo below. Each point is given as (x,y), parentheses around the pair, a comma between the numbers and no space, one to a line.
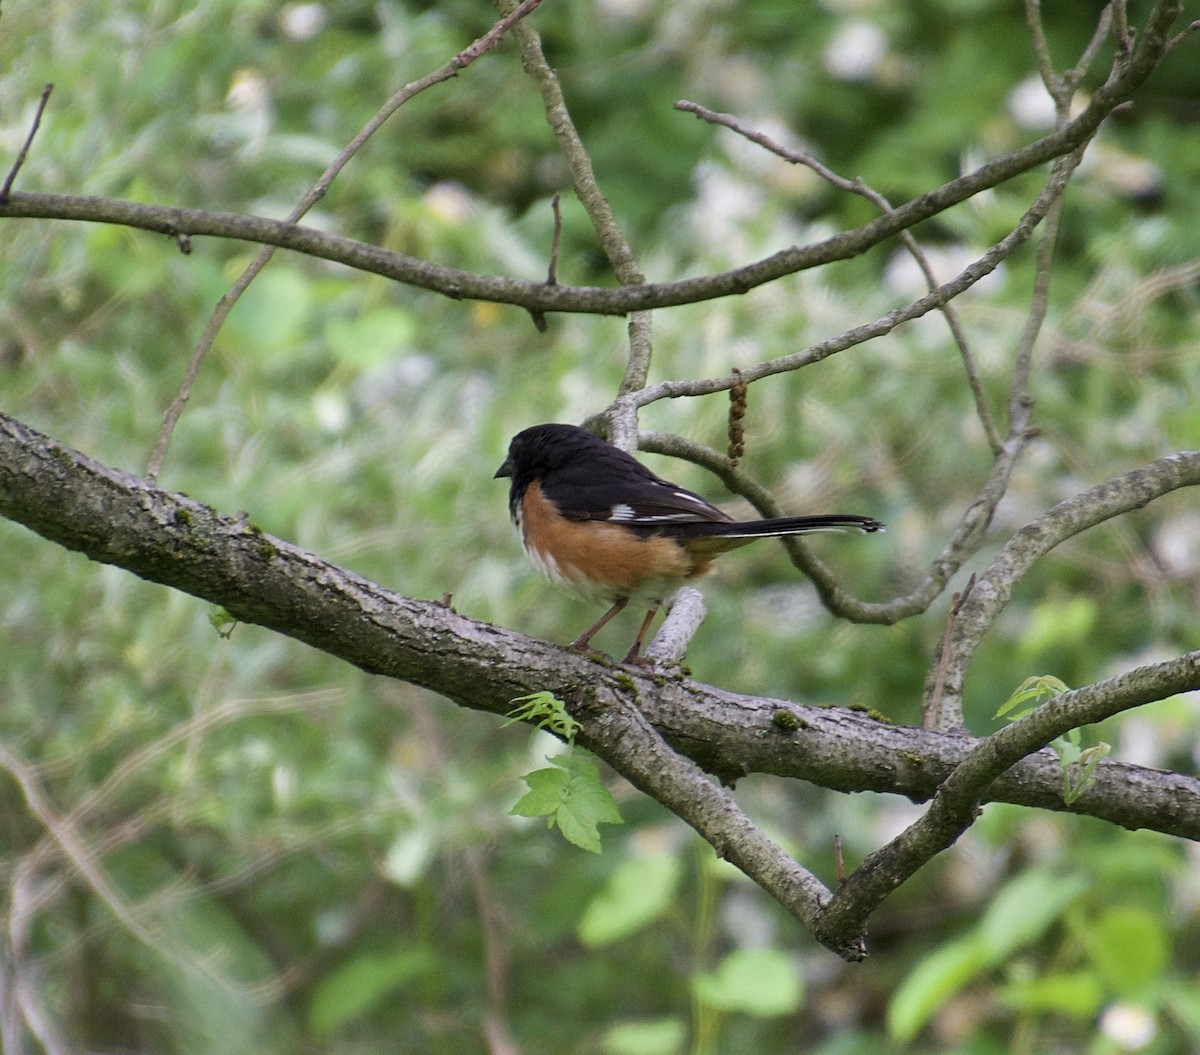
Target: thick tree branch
(622,735)
(168,538)
(119,519)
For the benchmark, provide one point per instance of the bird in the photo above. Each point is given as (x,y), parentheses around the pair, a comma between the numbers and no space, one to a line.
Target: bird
(592,518)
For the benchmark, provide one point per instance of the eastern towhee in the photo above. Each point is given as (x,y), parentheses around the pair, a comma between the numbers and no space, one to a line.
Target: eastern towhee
(594,519)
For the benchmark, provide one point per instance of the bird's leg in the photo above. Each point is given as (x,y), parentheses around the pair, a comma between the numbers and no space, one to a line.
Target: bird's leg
(582,642)
(634,655)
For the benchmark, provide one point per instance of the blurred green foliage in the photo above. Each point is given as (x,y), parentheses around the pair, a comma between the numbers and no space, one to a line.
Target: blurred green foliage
(324,861)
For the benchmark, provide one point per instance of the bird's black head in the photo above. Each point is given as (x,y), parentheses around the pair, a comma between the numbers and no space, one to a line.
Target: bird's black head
(541,448)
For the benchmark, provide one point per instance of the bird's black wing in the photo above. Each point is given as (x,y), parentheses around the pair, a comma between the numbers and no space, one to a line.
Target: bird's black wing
(611,485)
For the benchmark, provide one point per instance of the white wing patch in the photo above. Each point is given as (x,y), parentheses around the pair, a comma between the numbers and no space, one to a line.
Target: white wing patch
(624,513)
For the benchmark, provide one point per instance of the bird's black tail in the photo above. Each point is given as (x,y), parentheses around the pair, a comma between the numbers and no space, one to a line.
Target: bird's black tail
(750,529)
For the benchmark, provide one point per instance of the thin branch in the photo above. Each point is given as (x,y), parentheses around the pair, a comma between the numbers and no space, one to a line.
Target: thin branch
(1061,91)
(637,369)
(1122,35)
(318,191)
(6,187)
(622,736)
(670,644)
(974,272)
(1074,76)
(1041,49)
(934,715)
(555,241)
(1180,37)
(968,536)
(623,421)
(1019,400)
(956,804)
(857,186)
(583,177)
(962,545)
(994,586)
(535,295)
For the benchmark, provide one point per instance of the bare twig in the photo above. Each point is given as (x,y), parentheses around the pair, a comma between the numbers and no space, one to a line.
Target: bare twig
(957,801)
(985,265)
(1061,91)
(1074,76)
(225,305)
(539,317)
(6,187)
(536,295)
(1123,36)
(1019,400)
(583,177)
(1041,48)
(640,350)
(1180,37)
(994,586)
(962,545)
(857,186)
(622,418)
(555,241)
(671,642)
(934,715)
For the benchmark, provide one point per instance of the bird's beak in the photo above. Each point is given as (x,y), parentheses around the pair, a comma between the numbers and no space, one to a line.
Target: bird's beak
(505,470)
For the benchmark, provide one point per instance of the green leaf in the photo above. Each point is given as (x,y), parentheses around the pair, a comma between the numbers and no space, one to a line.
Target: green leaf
(1030,695)
(1129,947)
(223,622)
(571,796)
(1080,772)
(1018,915)
(935,978)
(636,894)
(760,982)
(547,790)
(545,710)
(374,337)
(660,1036)
(1023,909)
(1078,994)
(359,985)
(1078,763)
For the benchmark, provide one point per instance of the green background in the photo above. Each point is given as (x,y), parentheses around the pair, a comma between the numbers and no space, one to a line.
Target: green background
(335,850)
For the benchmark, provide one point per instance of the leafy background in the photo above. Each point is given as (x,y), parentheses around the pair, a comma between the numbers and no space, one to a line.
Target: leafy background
(324,861)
